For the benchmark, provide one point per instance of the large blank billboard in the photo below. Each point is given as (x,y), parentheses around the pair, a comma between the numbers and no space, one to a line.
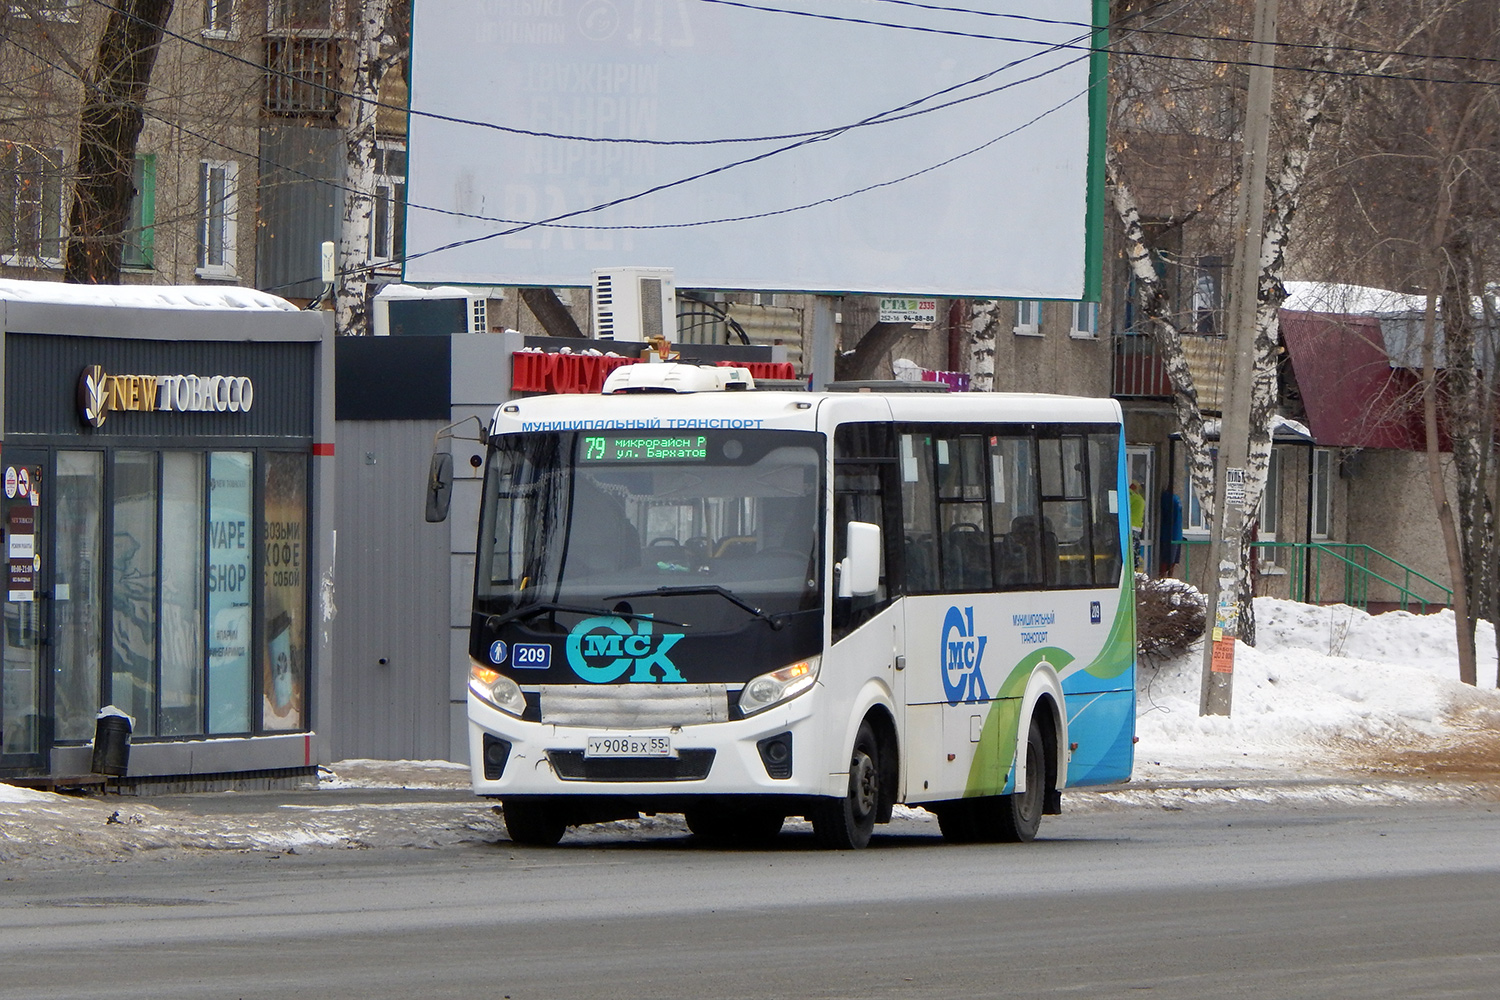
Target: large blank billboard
(821,145)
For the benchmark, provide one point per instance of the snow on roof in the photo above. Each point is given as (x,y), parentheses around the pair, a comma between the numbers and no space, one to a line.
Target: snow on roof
(231,297)
(1358,300)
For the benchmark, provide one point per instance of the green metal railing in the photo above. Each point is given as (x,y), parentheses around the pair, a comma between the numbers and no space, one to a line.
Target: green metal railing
(1339,572)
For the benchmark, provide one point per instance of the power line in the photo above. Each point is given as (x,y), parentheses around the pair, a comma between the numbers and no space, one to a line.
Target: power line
(1078,44)
(768,214)
(555,221)
(561,136)
(1232,39)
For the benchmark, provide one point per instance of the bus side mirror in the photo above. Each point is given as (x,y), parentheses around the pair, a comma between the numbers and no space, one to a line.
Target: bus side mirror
(859,574)
(439,487)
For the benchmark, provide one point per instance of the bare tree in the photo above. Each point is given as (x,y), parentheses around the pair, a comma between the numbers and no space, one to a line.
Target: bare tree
(109,128)
(1420,181)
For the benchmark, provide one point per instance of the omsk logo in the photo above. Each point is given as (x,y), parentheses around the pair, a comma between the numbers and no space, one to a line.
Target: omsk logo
(600,650)
(962,655)
(98,393)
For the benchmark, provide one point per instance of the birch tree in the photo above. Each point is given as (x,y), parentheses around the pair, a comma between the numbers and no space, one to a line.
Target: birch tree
(1152,91)
(379,43)
(984,317)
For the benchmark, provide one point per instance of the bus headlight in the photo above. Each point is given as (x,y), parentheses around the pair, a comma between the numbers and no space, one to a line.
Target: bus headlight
(494,688)
(779,685)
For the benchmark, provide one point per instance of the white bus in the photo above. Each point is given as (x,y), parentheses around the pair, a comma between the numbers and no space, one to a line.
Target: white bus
(748,605)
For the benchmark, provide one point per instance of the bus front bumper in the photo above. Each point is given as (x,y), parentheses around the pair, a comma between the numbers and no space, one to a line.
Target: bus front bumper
(777,752)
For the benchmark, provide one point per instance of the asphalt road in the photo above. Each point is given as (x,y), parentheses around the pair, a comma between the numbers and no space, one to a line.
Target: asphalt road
(1262,901)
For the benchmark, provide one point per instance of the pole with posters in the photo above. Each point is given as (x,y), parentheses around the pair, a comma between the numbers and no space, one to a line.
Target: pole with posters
(1234,426)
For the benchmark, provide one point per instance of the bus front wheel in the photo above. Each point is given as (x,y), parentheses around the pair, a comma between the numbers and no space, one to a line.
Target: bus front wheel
(847,823)
(532,823)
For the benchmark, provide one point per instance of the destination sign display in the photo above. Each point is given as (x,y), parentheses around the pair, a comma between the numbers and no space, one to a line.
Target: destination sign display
(615,449)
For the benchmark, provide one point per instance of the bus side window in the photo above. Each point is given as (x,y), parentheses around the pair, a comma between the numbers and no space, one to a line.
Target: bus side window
(1104,473)
(1065,508)
(918,513)
(1013,508)
(961,512)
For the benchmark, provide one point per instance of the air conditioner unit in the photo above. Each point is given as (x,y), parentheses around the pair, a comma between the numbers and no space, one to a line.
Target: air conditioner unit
(634,303)
(406,310)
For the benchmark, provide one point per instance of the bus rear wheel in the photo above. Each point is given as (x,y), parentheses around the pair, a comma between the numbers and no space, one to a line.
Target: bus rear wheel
(532,823)
(1008,819)
(847,823)
(1015,818)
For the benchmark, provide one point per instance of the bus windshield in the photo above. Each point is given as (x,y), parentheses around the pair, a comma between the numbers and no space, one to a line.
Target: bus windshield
(704,526)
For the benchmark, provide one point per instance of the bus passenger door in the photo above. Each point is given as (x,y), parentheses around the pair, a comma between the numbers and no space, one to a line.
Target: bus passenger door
(868,631)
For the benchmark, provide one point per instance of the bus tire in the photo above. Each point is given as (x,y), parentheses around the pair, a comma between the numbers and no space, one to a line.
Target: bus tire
(847,823)
(958,821)
(1015,818)
(726,826)
(532,823)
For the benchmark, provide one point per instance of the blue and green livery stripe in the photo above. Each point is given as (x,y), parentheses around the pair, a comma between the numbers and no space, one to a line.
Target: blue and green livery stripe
(992,771)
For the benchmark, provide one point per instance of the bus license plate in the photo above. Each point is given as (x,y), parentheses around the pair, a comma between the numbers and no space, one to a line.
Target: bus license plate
(629,746)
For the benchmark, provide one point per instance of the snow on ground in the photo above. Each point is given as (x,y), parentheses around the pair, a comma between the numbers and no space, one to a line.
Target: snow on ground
(1332,707)
(1327,690)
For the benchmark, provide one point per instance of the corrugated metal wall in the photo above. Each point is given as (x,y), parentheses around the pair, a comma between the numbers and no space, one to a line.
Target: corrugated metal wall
(391,634)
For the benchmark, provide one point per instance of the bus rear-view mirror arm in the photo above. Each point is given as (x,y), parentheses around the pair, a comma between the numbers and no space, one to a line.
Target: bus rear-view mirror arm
(440,470)
(859,572)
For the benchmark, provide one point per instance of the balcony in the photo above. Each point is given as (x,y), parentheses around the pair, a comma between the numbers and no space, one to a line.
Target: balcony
(1138,371)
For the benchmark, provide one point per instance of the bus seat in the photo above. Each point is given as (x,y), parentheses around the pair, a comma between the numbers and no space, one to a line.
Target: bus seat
(920,571)
(966,557)
(734,547)
(1013,562)
(1040,543)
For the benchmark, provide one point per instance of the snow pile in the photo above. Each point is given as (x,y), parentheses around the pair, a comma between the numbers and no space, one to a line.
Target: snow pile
(1353,300)
(1326,690)
(231,297)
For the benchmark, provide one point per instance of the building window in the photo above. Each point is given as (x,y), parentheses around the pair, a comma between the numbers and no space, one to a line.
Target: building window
(1028,318)
(300,15)
(302,76)
(193,642)
(48,10)
(284,598)
(31,187)
(140,225)
(1270,515)
(217,202)
(388,223)
(1270,503)
(183,583)
(1208,300)
(1322,493)
(1194,522)
(230,616)
(218,18)
(1085,324)
(78,630)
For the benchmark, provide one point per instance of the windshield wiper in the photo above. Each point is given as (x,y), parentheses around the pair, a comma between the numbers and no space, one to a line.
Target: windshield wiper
(692,590)
(542,607)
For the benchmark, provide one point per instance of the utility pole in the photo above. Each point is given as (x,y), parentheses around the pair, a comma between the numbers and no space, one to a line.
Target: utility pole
(1234,419)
